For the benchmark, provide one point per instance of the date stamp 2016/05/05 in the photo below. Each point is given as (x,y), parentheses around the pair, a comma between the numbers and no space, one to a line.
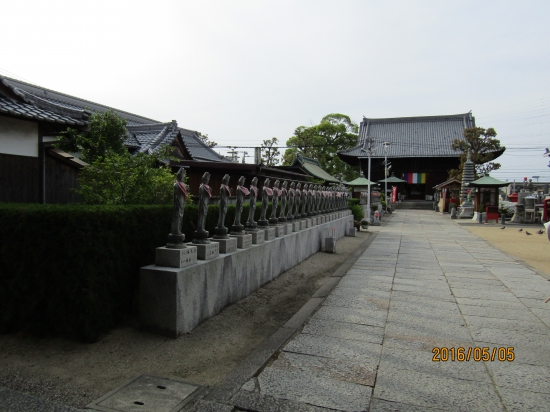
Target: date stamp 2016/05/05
(476,354)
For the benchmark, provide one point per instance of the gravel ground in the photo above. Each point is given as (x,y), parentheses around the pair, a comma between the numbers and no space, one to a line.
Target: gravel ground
(74,374)
(533,250)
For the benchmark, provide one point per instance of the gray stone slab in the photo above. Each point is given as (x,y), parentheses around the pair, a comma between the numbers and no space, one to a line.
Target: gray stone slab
(207,406)
(329,284)
(520,400)
(250,401)
(499,313)
(288,228)
(507,304)
(419,294)
(535,303)
(344,330)
(208,251)
(243,241)
(337,369)
(175,258)
(381,405)
(306,388)
(523,325)
(14,401)
(366,353)
(352,315)
(508,337)
(257,237)
(279,230)
(357,301)
(542,314)
(532,355)
(520,376)
(422,361)
(485,294)
(426,390)
(226,245)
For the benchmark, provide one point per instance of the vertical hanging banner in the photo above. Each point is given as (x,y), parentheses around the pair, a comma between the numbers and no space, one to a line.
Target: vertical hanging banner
(415,178)
(394,194)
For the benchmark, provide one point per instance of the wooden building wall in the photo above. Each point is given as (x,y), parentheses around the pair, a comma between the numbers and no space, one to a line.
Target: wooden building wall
(19,179)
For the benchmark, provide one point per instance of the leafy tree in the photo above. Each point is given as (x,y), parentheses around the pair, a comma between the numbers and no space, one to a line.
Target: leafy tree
(206,140)
(482,145)
(125,179)
(106,133)
(270,151)
(335,132)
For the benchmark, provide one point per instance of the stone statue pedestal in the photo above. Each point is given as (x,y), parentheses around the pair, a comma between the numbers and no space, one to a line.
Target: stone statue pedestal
(176,258)
(176,241)
(273,221)
(309,223)
(252,227)
(279,230)
(295,226)
(200,237)
(269,233)
(228,245)
(288,228)
(244,241)
(519,213)
(258,236)
(207,251)
(263,224)
(466,212)
(220,233)
(282,219)
(303,224)
(237,230)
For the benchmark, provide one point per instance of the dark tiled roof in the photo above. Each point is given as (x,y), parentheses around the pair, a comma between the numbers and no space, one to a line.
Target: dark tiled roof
(30,111)
(427,136)
(144,134)
(42,96)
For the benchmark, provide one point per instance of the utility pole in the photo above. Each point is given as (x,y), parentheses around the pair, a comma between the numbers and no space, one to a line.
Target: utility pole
(233,154)
(369,141)
(386,172)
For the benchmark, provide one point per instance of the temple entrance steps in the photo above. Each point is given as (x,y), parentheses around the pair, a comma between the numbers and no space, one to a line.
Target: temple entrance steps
(416,204)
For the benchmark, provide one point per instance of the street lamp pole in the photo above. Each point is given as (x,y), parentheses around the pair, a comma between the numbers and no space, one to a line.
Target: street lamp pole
(386,173)
(369,149)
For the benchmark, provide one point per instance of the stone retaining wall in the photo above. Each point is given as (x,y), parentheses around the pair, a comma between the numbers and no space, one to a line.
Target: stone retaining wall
(173,301)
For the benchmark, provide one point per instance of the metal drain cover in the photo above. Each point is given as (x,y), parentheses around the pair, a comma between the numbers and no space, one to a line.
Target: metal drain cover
(147,393)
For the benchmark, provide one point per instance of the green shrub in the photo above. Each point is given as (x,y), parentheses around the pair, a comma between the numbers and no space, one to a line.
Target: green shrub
(357,212)
(353,202)
(73,270)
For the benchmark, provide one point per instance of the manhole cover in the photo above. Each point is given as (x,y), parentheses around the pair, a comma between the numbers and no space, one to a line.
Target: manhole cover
(147,394)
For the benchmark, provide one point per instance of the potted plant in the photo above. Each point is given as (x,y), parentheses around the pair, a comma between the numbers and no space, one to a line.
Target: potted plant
(364,223)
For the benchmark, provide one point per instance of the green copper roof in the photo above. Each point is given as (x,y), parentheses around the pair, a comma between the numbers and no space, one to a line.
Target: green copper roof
(392,179)
(360,181)
(488,181)
(313,167)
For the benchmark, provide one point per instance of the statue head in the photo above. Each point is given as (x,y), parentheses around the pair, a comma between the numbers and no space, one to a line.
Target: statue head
(298,186)
(181,175)
(276,184)
(266,182)
(225,180)
(254,181)
(205,178)
(284,184)
(292,185)
(241,181)
(306,186)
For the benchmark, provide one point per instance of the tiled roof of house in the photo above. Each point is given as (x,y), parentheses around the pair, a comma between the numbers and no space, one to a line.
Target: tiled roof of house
(426,136)
(144,134)
(30,111)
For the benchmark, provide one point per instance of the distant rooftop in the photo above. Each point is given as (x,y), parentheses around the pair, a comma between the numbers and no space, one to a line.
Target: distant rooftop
(28,101)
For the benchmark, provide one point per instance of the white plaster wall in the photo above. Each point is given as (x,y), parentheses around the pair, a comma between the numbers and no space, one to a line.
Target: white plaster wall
(18,137)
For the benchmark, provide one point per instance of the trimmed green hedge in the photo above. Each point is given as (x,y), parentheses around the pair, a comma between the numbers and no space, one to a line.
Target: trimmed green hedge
(73,270)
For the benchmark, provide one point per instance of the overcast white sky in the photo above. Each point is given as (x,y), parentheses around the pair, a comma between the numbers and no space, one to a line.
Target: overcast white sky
(245,71)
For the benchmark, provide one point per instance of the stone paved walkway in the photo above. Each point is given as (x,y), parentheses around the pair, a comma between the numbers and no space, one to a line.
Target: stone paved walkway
(423,283)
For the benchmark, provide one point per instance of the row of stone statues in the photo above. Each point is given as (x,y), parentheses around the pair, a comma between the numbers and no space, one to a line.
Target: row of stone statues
(296,203)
